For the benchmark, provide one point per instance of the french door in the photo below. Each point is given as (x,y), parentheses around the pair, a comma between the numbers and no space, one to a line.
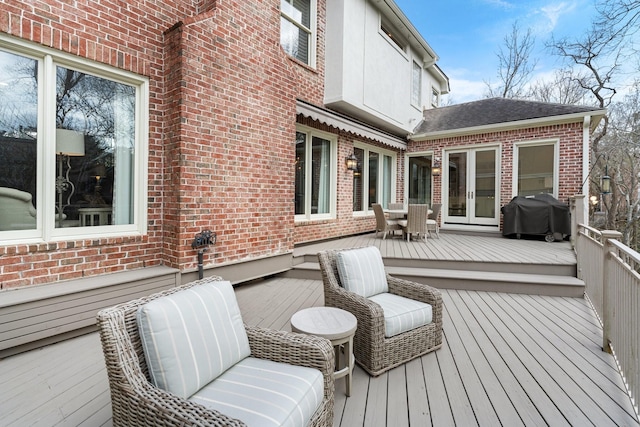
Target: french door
(471,193)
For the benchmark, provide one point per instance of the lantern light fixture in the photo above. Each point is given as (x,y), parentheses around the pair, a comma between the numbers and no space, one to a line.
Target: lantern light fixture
(351,162)
(606,181)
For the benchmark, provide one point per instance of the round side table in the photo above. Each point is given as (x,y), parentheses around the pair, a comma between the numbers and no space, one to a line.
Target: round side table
(336,325)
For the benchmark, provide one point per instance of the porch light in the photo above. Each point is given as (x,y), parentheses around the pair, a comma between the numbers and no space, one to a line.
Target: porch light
(352,162)
(435,170)
(606,182)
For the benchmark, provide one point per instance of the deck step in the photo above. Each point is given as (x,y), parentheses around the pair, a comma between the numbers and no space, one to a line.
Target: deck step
(523,283)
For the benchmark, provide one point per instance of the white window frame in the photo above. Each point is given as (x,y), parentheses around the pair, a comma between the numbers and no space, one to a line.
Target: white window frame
(48,60)
(416,84)
(392,35)
(556,158)
(435,97)
(311,31)
(333,185)
(365,175)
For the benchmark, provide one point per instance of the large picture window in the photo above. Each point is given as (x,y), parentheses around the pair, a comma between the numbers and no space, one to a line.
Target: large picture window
(315,175)
(375,179)
(73,141)
(297,27)
(536,166)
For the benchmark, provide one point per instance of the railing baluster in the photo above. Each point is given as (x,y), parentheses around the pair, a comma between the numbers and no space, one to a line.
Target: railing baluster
(610,272)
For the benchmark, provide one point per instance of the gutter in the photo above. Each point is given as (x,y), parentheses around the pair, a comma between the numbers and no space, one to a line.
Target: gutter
(502,127)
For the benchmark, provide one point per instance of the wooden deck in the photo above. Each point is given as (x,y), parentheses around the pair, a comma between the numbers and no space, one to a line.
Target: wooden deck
(475,249)
(507,360)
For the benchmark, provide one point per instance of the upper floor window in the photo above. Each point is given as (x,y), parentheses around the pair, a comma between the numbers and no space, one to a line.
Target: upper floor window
(315,186)
(435,98)
(389,30)
(416,85)
(297,28)
(374,181)
(535,168)
(73,141)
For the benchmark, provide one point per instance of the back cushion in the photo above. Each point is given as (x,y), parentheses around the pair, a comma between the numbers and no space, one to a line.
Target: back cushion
(191,337)
(362,271)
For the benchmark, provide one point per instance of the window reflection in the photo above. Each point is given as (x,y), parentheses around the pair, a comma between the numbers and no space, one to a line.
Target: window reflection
(102,111)
(18,141)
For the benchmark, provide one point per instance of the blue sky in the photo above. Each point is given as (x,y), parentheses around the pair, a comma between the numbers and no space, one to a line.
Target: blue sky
(466,34)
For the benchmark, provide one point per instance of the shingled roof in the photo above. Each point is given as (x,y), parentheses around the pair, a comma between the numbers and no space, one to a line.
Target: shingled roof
(494,111)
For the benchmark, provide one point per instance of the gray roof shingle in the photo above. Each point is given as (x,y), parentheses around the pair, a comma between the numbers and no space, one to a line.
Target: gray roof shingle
(492,111)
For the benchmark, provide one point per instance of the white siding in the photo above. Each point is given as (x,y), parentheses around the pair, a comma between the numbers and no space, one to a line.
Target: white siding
(367,75)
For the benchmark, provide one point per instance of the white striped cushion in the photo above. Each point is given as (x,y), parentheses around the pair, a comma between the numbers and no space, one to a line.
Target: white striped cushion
(265,393)
(362,271)
(189,338)
(402,314)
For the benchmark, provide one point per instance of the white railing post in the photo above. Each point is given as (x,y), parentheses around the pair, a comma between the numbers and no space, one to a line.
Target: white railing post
(576,204)
(608,307)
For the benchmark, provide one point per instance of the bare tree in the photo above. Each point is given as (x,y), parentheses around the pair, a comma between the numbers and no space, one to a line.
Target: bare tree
(564,88)
(515,65)
(622,145)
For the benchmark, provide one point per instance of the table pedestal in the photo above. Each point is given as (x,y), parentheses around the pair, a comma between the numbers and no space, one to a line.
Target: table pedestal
(336,325)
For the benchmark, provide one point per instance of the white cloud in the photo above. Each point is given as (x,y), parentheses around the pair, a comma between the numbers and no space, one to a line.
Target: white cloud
(500,3)
(551,14)
(463,90)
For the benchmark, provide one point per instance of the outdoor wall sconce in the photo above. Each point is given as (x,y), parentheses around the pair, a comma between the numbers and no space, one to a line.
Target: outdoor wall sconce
(435,170)
(352,162)
(606,182)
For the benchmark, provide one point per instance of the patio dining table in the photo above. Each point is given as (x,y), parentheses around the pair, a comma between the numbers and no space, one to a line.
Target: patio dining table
(402,212)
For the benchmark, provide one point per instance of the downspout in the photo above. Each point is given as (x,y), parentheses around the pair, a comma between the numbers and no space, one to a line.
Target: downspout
(586,154)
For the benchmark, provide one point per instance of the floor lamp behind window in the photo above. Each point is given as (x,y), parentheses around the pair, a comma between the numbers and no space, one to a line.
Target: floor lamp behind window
(68,143)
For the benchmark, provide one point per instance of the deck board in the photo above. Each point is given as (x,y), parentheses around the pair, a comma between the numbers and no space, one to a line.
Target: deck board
(507,359)
(455,247)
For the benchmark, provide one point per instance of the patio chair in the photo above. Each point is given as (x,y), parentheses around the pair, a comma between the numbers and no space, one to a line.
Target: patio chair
(376,346)
(432,219)
(416,222)
(397,206)
(383,224)
(159,367)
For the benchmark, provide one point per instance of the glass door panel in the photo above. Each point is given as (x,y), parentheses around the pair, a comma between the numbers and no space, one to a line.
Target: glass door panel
(485,184)
(472,179)
(419,176)
(457,200)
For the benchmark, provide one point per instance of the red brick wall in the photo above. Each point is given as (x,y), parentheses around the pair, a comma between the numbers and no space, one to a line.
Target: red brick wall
(105,32)
(569,135)
(221,127)
(231,169)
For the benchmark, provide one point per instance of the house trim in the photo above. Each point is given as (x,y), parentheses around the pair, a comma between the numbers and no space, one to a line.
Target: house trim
(520,124)
(347,124)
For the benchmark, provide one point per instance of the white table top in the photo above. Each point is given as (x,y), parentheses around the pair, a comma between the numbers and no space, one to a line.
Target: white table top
(402,211)
(327,322)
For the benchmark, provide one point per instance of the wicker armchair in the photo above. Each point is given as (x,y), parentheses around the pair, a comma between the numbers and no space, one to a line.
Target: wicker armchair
(373,351)
(137,402)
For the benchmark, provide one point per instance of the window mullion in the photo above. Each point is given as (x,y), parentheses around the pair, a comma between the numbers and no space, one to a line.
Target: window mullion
(47,146)
(308,173)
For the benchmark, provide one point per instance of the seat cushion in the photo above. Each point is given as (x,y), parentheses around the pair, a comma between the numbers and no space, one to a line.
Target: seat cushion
(265,393)
(362,271)
(402,314)
(191,337)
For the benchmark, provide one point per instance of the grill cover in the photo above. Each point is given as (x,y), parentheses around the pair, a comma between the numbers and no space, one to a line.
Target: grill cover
(541,214)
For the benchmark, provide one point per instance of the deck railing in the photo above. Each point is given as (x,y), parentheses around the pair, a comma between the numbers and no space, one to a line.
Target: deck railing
(610,272)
